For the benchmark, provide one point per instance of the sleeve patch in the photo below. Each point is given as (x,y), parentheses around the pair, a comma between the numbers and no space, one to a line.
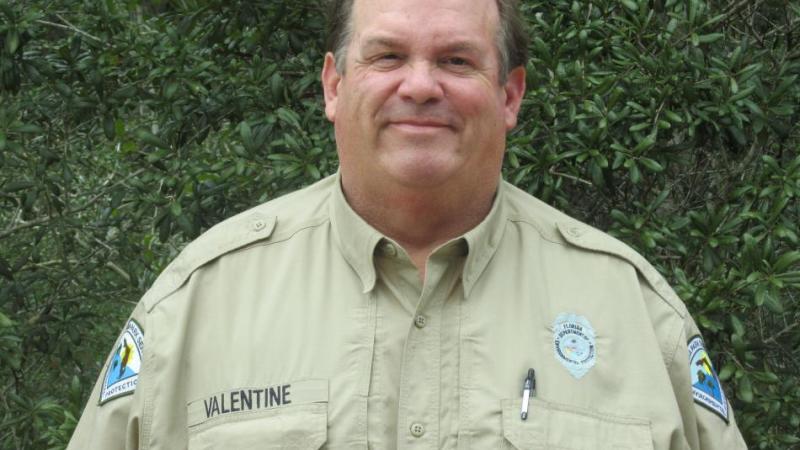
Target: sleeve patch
(706,388)
(122,373)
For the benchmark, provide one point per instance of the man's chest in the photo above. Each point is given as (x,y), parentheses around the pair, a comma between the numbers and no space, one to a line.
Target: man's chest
(281,361)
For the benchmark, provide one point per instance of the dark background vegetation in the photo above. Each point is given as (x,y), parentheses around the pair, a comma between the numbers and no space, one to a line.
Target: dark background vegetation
(128,127)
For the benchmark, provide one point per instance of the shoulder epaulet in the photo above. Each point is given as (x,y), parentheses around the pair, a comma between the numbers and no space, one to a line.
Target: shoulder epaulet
(588,238)
(227,236)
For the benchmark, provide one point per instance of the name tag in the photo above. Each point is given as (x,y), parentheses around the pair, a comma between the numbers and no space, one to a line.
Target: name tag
(242,400)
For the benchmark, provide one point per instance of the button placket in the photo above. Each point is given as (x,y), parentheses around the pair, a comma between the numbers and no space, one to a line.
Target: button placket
(420,372)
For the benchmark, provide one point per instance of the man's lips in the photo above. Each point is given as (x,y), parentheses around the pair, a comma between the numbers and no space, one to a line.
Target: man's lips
(419,125)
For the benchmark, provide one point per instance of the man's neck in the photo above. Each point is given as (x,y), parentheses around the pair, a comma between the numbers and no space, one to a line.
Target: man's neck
(421,220)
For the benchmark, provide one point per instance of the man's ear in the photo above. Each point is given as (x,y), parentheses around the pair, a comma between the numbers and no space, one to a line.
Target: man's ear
(330,85)
(515,90)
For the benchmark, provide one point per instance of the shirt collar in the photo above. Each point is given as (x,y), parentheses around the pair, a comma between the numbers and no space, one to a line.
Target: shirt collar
(357,239)
(483,240)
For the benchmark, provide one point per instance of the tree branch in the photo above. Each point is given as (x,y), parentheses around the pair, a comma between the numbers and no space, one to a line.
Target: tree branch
(44,220)
(70,27)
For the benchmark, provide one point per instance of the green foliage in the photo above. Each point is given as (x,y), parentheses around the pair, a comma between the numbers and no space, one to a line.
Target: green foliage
(128,127)
(674,125)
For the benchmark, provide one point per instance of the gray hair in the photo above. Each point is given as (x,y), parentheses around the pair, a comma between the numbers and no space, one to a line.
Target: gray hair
(512,41)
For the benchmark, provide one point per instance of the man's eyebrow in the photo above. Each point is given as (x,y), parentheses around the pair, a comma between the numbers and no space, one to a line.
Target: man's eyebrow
(380,42)
(462,46)
(383,42)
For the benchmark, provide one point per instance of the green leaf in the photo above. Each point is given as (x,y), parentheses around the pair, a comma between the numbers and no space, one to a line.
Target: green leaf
(170,89)
(5,269)
(744,390)
(651,164)
(186,225)
(737,325)
(125,92)
(634,173)
(246,132)
(786,260)
(12,42)
(741,94)
(109,128)
(630,5)
(175,209)
(2,141)
(734,85)
(773,302)
(645,143)
(727,371)
(766,377)
(714,20)
(30,128)
(672,25)
(5,321)
(18,185)
(709,38)
(151,139)
(313,171)
(761,294)
(276,87)
(788,439)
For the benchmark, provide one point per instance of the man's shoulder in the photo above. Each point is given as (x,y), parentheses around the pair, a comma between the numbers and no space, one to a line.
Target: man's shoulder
(559,228)
(277,219)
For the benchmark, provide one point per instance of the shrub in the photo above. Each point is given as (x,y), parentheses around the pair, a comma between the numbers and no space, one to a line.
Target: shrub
(128,127)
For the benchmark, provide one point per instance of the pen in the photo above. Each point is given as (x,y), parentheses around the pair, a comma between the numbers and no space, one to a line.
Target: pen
(527,388)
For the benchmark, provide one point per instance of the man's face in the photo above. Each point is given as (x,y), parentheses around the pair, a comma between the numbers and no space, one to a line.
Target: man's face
(420,103)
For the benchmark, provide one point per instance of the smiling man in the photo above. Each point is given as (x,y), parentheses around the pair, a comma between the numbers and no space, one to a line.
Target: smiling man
(421,107)
(414,299)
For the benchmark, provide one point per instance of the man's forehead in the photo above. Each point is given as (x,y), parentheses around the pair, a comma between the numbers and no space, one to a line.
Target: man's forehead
(382,39)
(474,16)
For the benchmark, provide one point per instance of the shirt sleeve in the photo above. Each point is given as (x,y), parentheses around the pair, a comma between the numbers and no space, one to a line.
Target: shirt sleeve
(708,418)
(112,416)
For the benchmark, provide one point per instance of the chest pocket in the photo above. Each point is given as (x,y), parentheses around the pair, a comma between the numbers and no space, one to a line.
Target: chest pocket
(302,427)
(299,421)
(560,427)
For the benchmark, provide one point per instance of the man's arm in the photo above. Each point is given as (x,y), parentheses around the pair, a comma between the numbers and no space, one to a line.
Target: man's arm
(707,415)
(111,418)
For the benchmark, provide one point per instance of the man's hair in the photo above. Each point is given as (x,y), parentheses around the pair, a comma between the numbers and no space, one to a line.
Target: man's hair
(512,41)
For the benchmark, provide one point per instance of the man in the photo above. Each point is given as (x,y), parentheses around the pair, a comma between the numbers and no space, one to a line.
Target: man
(413,300)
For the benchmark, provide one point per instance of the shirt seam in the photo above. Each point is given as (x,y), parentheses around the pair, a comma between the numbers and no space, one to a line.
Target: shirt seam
(538,229)
(677,337)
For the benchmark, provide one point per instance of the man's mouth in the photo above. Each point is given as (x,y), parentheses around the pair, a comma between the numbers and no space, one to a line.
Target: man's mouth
(419,125)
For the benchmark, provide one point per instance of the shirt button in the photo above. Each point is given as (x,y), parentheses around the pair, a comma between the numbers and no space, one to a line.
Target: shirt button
(417,429)
(258,224)
(389,250)
(420,321)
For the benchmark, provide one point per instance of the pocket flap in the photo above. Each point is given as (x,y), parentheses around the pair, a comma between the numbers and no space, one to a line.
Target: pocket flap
(299,422)
(566,427)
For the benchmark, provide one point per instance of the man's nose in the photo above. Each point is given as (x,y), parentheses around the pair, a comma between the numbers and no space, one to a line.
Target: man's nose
(420,84)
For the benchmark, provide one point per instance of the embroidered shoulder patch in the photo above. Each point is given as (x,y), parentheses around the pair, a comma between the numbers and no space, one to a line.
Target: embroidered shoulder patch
(574,343)
(122,373)
(706,387)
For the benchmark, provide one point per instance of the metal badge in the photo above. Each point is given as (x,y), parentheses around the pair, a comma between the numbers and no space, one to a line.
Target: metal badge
(574,343)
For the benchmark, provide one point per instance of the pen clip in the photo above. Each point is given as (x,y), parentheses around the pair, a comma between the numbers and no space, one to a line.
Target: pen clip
(527,388)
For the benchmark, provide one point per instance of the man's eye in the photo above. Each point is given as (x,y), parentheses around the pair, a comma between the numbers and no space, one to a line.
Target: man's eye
(387,58)
(456,62)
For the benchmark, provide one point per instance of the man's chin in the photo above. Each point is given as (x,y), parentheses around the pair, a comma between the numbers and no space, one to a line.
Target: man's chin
(421,174)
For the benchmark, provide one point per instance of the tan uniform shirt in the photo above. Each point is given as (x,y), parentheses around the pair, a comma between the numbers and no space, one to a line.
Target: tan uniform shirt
(297,325)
